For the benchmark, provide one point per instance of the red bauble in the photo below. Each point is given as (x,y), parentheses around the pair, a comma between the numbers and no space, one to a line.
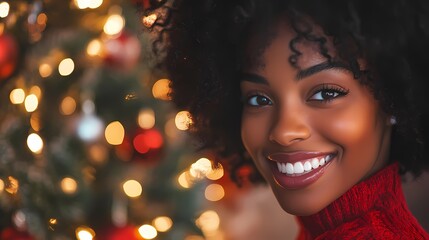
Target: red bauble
(120,233)
(122,52)
(8,56)
(13,234)
(143,146)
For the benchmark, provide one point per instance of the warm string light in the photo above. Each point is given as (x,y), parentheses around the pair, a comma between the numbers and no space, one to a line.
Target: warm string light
(94,48)
(147,231)
(114,24)
(114,133)
(4,9)
(31,103)
(214,192)
(149,20)
(68,106)
(132,188)
(68,185)
(84,4)
(66,67)
(183,120)
(45,70)
(146,118)
(13,185)
(35,121)
(203,167)
(84,233)
(208,222)
(17,96)
(1,185)
(161,89)
(35,143)
(162,223)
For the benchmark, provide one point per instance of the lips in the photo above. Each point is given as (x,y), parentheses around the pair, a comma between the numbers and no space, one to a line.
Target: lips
(299,169)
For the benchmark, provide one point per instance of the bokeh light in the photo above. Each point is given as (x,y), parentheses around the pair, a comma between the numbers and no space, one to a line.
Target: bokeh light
(68,106)
(114,133)
(35,122)
(183,120)
(146,118)
(90,127)
(208,221)
(94,48)
(161,89)
(17,96)
(66,67)
(83,4)
(68,185)
(31,103)
(1,185)
(162,223)
(36,91)
(147,231)
(200,168)
(85,233)
(214,192)
(132,188)
(35,143)
(216,173)
(146,140)
(4,9)
(13,185)
(45,70)
(114,24)
(185,180)
(149,20)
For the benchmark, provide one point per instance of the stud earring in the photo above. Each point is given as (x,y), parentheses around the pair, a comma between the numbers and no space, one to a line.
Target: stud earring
(393,120)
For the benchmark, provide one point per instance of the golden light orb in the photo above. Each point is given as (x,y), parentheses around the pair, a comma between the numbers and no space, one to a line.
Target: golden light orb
(17,96)
(214,192)
(161,89)
(147,231)
(146,118)
(85,233)
(31,103)
(115,133)
(35,143)
(200,168)
(183,120)
(68,185)
(66,67)
(68,106)
(114,24)
(132,188)
(4,9)
(162,223)
(45,70)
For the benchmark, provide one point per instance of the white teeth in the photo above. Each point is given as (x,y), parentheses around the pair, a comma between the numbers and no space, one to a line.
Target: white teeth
(289,168)
(322,161)
(298,167)
(315,163)
(307,166)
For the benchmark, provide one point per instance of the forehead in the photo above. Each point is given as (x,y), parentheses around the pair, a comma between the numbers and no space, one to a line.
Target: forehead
(287,43)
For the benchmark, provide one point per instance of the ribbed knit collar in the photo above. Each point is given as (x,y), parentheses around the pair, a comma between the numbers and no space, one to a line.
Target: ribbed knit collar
(382,188)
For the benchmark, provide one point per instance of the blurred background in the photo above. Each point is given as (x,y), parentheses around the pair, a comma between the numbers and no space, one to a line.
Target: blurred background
(91,147)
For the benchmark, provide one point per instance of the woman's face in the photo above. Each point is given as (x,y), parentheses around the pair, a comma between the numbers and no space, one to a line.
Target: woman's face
(313,132)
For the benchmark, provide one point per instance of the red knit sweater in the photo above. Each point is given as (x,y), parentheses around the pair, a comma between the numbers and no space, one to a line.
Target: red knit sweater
(372,209)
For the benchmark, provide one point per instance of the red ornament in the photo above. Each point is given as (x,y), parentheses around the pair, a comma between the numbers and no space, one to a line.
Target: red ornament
(144,146)
(120,233)
(8,56)
(13,234)
(122,52)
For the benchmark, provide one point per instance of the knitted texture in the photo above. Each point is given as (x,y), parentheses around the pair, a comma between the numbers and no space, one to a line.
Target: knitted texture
(372,209)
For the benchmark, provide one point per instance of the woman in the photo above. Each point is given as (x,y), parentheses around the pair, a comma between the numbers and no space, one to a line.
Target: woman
(326,99)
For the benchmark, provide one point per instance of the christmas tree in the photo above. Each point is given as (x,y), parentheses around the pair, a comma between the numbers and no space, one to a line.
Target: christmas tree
(90,146)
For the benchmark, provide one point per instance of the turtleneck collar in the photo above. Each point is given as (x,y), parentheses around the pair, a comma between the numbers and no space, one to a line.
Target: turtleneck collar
(380,190)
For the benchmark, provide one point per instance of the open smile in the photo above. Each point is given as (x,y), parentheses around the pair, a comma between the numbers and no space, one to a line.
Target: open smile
(300,169)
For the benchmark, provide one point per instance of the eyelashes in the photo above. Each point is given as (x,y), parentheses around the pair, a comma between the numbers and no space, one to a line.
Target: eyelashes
(322,94)
(328,93)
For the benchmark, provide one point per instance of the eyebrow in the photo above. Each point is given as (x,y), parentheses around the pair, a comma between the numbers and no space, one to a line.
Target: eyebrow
(304,73)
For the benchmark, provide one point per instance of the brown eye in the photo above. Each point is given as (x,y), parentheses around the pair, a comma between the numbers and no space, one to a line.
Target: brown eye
(328,94)
(258,101)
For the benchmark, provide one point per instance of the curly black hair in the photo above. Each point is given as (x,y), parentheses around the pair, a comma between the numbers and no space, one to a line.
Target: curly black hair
(205,52)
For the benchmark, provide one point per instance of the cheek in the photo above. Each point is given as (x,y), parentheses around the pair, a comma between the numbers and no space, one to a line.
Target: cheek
(254,129)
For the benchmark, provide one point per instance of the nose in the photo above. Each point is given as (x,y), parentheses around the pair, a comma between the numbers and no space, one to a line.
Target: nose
(289,126)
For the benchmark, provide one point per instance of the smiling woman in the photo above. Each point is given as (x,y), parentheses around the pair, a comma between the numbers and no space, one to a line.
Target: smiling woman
(326,100)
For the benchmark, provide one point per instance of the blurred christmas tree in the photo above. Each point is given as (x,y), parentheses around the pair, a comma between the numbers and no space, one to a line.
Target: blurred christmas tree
(89,144)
